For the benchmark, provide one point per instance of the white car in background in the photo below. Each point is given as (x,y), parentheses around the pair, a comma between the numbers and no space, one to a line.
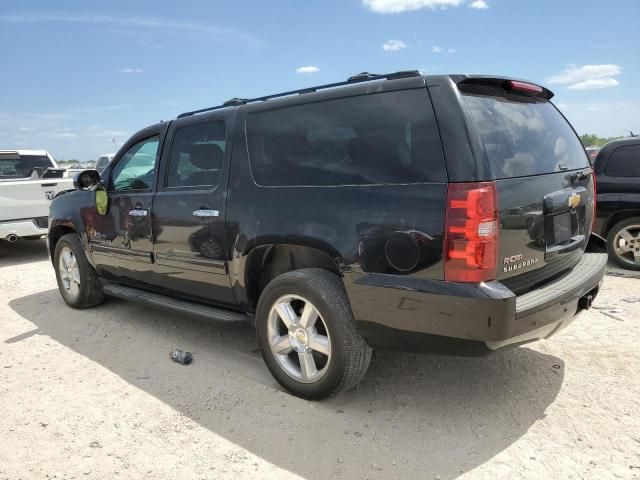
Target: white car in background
(104,161)
(29,180)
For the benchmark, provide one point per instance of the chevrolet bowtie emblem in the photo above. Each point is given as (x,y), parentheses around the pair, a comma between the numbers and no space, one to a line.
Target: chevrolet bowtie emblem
(574,200)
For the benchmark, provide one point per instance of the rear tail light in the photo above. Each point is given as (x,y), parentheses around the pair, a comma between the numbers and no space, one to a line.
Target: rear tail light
(593,217)
(471,232)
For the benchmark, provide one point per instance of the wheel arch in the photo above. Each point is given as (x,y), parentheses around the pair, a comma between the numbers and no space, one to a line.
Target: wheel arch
(619,217)
(265,262)
(55,234)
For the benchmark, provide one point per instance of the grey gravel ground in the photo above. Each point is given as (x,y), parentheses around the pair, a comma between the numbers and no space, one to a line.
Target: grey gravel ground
(93,394)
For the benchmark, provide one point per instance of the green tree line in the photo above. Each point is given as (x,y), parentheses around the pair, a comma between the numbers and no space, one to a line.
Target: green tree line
(593,140)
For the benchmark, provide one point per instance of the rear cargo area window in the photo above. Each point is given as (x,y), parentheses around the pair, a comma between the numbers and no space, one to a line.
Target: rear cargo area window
(383,138)
(524,136)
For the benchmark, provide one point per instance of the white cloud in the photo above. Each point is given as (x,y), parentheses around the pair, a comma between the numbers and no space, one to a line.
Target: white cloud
(594,83)
(98,132)
(394,45)
(307,69)
(218,34)
(437,49)
(106,108)
(64,134)
(479,4)
(399,6)
(145,43)
(131,70)
(587,77)
(604,118)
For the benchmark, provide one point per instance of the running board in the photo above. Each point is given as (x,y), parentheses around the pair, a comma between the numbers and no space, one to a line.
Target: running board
(177,306)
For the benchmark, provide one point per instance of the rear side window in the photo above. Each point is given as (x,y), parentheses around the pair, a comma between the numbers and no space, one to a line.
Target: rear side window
(380,138)
(624,162)
(524,136)
(22,166)
(196,157)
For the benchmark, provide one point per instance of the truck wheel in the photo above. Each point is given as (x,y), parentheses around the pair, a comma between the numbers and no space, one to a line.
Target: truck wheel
(623,243)
(307,334)
(77,280)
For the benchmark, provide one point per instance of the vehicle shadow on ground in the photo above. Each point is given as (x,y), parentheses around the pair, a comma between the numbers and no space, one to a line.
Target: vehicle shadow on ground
(413,416)
(21,252)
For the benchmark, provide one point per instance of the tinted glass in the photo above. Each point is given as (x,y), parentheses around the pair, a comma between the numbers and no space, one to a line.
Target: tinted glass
(624,162)
(136,168)
(23,166)
(524,136)
(370,139)
(196,156)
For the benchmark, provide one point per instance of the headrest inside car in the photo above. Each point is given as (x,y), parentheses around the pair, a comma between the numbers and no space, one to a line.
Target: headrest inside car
(206,156)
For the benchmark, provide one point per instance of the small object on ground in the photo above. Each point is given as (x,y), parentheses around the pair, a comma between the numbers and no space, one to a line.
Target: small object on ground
(631,299)
(181,357)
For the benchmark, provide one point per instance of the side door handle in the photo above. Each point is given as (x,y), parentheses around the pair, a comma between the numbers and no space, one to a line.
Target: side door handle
(138,212)
(204,212)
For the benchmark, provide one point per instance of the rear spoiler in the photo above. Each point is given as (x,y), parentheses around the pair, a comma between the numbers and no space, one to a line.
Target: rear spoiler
(522,87)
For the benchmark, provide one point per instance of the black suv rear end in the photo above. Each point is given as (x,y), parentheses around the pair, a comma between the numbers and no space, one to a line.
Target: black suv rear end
(449,214)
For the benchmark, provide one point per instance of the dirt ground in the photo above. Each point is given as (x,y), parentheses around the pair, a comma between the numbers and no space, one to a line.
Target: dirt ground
(93,394)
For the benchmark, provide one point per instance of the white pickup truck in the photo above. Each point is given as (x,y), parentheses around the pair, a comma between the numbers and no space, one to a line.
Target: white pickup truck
(29,180)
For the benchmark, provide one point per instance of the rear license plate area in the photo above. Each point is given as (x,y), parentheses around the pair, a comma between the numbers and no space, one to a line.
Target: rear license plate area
(563,233)
(563,228)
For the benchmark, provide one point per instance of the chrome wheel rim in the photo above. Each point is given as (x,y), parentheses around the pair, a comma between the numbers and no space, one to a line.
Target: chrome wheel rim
(69,272)
(626,245)
(299,339)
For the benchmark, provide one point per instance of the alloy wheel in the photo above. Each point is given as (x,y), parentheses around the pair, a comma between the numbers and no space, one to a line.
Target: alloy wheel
(69,272)
(626,245)
(299,338)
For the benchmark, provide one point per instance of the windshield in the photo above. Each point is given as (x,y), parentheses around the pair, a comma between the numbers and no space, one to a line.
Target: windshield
(524,136)
(22,166)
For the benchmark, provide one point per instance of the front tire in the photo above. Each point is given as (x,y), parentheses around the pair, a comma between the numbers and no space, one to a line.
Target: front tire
(623,243)
(77,280)
(307,334)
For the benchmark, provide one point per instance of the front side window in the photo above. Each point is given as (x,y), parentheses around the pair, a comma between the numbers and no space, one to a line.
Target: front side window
(382,138)
(196,156)
(624,162)
(136,168)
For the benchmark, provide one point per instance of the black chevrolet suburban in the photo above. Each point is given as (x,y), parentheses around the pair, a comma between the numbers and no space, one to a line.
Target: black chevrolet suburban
(446,214)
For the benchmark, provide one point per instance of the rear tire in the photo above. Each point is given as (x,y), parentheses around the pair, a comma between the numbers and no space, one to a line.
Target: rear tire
(77,280)
(623,243)
(307,334)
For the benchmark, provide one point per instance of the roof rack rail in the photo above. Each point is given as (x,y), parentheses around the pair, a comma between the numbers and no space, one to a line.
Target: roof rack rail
(235,101)
(359,78)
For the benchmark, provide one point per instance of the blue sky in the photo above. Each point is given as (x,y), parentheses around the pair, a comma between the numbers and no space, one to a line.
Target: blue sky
(77,74)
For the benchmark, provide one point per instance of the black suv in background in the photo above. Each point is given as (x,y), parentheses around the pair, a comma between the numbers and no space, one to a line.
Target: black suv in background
(617,168)
(448,214)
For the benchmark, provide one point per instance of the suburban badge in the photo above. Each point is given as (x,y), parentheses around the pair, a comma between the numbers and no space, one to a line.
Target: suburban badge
(516,262)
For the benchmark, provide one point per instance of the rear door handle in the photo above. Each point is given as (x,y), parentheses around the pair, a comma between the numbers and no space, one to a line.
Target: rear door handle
(138,212)
(204,212)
